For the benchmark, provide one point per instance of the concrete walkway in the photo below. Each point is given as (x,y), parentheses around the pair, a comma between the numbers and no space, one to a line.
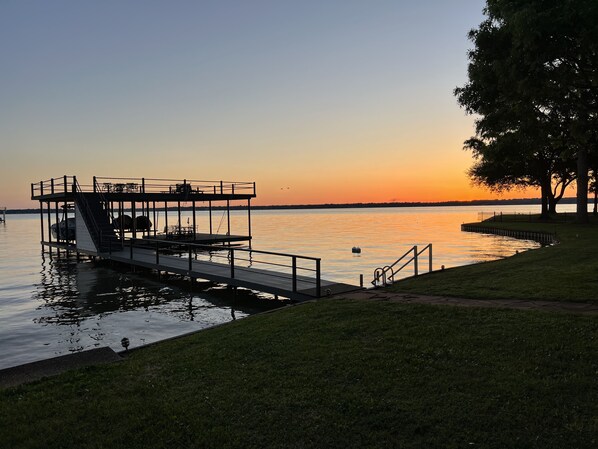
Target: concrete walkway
(521,304)
(30,372)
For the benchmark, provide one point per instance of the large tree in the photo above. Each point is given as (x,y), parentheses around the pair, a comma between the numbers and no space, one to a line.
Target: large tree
(533,84)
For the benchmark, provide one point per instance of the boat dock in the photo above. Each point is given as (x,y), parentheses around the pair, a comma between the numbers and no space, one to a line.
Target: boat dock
(93,222)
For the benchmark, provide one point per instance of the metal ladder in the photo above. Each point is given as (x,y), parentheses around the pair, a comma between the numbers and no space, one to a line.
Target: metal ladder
(385,275)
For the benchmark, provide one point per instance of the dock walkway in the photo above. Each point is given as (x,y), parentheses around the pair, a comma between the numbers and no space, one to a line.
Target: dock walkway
(290,285)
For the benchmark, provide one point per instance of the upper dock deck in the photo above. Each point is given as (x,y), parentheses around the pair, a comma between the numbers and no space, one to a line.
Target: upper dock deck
(143,189)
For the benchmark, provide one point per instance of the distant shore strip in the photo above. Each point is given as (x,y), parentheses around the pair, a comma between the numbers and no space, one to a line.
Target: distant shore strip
(498,202)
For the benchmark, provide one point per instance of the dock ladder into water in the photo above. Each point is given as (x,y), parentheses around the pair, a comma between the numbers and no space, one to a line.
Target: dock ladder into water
(386,275)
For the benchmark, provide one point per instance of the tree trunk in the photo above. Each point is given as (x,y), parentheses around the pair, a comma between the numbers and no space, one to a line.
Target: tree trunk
(552,201)
(582,186)
(545,192)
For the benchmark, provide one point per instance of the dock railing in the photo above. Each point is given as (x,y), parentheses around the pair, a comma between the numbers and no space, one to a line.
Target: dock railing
(52,186)
(176,186)
(64,184)
(386,275)
(302,269)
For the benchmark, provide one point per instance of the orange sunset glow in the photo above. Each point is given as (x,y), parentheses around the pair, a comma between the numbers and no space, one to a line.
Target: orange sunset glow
(358,109)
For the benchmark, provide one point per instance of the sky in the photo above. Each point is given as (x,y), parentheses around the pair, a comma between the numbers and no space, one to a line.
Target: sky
(328,101)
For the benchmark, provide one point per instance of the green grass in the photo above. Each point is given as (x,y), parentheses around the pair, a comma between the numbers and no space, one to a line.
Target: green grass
(567,271)
(339,374)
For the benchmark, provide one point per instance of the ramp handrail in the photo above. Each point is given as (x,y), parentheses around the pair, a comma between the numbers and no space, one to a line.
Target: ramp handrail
(237,258)
(97,234)
(385,275)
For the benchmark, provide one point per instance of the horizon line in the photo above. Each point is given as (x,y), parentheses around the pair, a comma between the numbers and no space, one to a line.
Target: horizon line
(365,205)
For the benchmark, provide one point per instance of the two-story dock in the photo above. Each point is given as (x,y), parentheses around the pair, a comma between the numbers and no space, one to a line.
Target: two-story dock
(117,219)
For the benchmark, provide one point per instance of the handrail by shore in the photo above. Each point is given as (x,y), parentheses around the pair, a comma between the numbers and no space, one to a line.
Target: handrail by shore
(385,275)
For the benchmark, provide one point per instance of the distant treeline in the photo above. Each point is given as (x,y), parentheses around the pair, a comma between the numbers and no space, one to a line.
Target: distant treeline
(513,202)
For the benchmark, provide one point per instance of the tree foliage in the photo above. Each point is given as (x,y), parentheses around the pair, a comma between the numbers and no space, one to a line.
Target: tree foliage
(533,85)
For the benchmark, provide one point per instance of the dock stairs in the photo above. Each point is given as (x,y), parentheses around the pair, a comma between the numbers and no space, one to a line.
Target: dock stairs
(98,221)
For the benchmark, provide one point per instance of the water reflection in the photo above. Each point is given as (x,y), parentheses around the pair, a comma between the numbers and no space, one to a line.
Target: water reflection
(70,291)
(77,305)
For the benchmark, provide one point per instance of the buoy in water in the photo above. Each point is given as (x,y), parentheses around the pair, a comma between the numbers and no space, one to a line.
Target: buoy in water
(356,250)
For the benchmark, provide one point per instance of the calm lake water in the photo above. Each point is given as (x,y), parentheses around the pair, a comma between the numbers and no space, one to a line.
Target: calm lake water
(52,306)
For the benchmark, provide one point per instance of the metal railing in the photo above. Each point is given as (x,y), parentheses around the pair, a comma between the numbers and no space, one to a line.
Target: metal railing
(521,217)
(143,185)
(303,269)
(386,275)
(176,186)
(62,184)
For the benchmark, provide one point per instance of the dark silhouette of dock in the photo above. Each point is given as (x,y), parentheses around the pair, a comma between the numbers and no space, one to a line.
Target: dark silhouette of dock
(95,222)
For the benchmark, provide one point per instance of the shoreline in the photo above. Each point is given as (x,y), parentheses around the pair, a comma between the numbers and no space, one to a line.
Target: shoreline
(405,204)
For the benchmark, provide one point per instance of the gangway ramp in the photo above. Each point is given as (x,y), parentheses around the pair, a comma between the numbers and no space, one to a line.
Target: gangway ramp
(238,267)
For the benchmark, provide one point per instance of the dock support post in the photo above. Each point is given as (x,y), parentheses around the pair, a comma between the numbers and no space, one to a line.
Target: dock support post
(228,217)
(121,211)
(49,227)
(318,279)
(190,261)
(147,210)
(41,216)
(57,225)
(133,212)
(294,273)
(210,213)
(166,218)
(232,263)
(66,218)
(179,215)
(194,230)
(155,221)
(249,220)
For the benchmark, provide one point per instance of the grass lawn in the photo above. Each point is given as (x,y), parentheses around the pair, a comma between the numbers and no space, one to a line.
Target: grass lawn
(567,271)
(335,373)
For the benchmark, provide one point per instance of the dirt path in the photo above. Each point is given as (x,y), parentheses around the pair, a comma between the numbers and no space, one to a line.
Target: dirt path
(549,306)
